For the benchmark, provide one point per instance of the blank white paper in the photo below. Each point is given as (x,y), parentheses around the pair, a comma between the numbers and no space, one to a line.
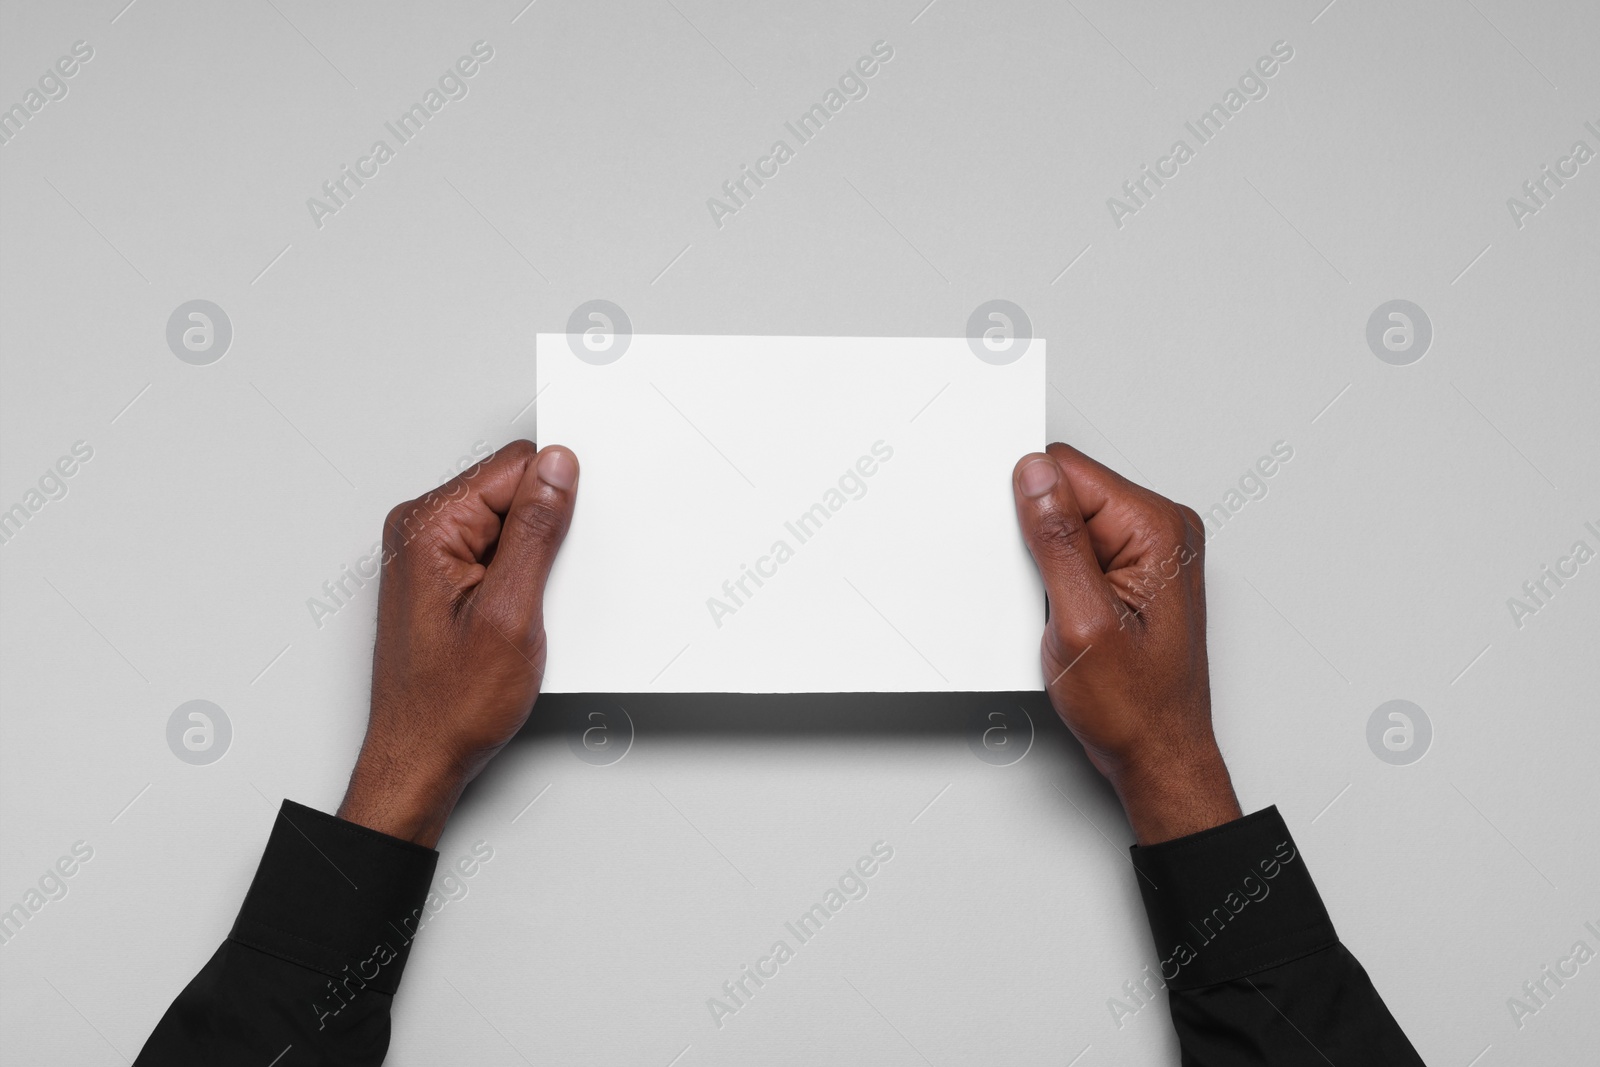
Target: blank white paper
(793,514)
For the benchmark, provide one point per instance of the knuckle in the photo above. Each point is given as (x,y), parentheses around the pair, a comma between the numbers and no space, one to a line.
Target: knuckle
(1060,532)
(1165,524)
(501,618)
(1068,637)
(1174,523)
(518,451)
(534,642)
(407,520)
(539,520)
(1193,534)
(394,522)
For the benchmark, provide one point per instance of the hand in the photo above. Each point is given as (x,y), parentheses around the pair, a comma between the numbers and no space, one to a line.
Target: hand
(1124,649)
(461,646)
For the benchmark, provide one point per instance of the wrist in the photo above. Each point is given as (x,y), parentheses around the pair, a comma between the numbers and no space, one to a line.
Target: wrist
(403,800)
(1174,794)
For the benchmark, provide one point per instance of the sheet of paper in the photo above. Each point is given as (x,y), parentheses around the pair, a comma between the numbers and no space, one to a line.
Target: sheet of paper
(792,514)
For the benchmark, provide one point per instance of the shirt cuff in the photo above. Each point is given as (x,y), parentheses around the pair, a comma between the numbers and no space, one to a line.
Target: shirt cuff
(336,897)
(1230,901)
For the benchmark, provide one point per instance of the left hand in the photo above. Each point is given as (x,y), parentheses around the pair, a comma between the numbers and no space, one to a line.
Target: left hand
(460,649)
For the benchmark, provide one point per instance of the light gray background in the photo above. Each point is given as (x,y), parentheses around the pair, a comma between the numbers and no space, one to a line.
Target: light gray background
(370,354)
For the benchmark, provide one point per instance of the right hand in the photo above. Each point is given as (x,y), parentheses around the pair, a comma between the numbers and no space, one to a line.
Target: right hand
(1124,650)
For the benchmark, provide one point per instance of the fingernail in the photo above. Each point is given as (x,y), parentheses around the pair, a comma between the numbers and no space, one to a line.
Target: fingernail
(559,468)
(1038,477)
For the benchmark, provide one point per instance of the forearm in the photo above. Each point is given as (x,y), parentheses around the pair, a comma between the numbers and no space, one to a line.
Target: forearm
(1318,1009)
(1254,971)
(313,959)
(247,1006)
(1252,965)
(400,796)
(1176,793)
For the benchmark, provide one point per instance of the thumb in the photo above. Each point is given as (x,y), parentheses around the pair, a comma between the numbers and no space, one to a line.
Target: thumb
(530,534)
(1082,602)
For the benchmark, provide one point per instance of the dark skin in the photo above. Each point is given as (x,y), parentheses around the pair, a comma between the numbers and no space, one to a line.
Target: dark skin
(1124,650)
(461,643)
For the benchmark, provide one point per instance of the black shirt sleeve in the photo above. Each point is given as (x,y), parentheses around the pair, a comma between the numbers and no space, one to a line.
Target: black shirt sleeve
(1254,971)
(314,958)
